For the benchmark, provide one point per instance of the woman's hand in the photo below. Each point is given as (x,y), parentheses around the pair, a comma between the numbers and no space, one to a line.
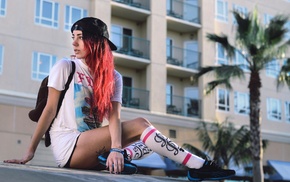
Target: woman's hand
(26,158)
(115,162)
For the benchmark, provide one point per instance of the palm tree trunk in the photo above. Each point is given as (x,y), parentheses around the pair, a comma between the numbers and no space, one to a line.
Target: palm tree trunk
(255,126)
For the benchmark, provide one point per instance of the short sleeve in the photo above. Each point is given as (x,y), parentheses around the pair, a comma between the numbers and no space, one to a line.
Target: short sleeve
(59,74)
(117,96)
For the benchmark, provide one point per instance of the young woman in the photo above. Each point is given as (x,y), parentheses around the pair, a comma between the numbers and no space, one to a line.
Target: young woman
(95,93)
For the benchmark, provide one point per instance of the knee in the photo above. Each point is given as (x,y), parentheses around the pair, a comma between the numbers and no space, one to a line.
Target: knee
(143,122)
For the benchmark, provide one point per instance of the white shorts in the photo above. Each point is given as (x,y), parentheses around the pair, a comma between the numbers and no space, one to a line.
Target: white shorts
(62,145)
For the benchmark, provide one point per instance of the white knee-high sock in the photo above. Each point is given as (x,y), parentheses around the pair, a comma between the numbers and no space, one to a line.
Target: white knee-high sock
(163,146)
(138,150)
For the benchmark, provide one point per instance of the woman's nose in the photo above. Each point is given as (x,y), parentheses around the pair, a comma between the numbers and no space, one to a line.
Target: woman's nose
(74,43)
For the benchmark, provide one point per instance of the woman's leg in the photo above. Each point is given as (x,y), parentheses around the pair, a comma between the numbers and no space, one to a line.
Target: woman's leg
(93,143)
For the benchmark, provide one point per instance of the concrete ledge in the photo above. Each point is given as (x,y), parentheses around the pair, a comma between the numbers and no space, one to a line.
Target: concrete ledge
(32,173)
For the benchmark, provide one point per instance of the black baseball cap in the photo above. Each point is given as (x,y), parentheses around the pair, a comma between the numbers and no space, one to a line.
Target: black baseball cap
(91,26)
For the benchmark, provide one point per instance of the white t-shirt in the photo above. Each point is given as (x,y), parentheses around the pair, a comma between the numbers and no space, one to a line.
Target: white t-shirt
(74,115)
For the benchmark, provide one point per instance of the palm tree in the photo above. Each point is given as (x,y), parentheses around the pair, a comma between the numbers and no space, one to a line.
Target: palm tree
(224,142)
(258,45)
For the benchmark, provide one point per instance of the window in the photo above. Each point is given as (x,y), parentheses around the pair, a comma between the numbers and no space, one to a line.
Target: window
(46,13)
(72,14)
(287,111)
(2,8)
(221,10)
(273,68)
(1,58)
(288,28)
(242,105)
(172,133)
(117,35)
(240,9)
(223,100)
(273,109)
(127,90)
(169,44)
(221,56)
(267,18)
(122,37)
(169,93)
(240,60)
(41,65)
(285,63)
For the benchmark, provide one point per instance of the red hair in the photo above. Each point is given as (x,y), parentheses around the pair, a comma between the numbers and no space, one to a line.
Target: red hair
(101,65)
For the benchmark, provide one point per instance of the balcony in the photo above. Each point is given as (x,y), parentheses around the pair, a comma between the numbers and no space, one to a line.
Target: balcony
(183,17)
(126,8)
(183,57)
(143,4)
(183,106)
(135,98)
(131,46)
(185,62)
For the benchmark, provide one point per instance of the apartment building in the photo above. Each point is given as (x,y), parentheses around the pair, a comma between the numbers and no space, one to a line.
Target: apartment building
(160,46)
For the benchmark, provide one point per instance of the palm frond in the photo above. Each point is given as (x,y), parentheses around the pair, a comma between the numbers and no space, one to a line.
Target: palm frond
(243,24)
(229,71)
(223,40)
(276,31)
(204,137)
(213,84)
(223,74)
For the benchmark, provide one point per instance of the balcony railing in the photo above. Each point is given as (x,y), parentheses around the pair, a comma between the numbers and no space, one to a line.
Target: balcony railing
(183,11)
(135,98)
(183,57)
(143,4)
(131,46)
(183,106)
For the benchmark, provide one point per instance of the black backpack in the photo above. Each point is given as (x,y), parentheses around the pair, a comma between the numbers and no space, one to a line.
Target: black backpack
(41,100)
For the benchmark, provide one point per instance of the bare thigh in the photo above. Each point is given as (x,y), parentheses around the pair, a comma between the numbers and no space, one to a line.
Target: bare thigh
(94,142)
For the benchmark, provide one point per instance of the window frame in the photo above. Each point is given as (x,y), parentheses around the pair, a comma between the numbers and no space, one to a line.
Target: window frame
(221,60)
(1,58)
(36,74)
(169,47)
(69,18)
(39,19)
(3,8)
(240,60)
(226,106)
(271,115)
(267,18)
(224,15)
(242,103)
(273,68)
(287,111)
(169,95)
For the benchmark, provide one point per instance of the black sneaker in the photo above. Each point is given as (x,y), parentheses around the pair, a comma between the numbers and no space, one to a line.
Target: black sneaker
(209,171)
(129,168)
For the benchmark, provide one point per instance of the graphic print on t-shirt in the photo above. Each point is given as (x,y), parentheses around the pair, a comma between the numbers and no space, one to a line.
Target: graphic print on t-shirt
(86,120)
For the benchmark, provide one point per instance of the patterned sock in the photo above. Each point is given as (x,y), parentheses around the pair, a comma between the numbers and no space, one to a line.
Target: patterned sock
(138,150)
(163,146)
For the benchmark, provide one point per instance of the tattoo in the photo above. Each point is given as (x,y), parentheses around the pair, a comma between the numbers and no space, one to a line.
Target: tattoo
(101,151)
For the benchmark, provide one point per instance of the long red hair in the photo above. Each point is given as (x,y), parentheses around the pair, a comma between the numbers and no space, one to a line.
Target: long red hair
(101,65)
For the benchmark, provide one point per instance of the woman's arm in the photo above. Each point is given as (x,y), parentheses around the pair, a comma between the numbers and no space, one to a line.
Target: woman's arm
(115,159)
(45,120)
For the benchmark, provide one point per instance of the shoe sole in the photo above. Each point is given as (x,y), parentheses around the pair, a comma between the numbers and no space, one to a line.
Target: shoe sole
(208,179)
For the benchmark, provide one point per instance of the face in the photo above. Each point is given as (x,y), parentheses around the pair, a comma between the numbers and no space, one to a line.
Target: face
(78,44)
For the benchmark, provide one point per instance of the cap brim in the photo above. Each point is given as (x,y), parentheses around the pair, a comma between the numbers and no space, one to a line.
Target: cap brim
(112,46)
